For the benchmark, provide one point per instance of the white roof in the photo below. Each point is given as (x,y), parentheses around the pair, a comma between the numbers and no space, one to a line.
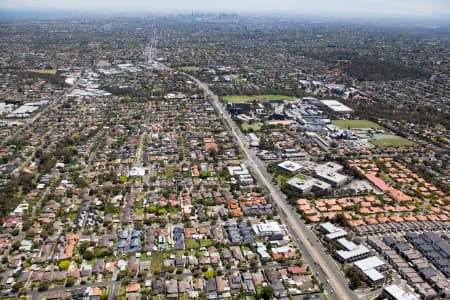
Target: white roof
(329,227)
(238,170)
(21,207)
(321,184)
(369,263)
(137,171)
(253,136)
(348,245)
(290,166)
(300,183)
(282,249)
(23,110)
(361,249)
(263,253)
(272,227)
(331,176)
(335,235)
(373,274)
(336,106)
(330,166)
(397,293)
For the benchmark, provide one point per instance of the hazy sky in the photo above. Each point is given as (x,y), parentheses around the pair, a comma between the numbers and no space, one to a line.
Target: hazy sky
(391,7)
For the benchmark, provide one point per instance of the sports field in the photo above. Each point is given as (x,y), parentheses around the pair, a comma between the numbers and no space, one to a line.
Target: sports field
(247,98)
(254,126)
(383,140)
(356,124)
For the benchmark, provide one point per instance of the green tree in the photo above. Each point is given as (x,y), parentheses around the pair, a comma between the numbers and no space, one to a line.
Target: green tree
(44,285)
(162,211)
(88,255)
(64,264)
(103,296)
(267,292)
(209,274)
(70,281)
(356,277)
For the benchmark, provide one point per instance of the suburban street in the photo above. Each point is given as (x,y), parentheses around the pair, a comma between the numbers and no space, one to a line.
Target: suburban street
(112,285)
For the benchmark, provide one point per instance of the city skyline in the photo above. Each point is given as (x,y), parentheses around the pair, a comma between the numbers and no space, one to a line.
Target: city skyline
(368,7)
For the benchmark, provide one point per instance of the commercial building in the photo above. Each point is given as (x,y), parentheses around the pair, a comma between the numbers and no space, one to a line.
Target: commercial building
(335,179)
(354,253)
(241,172)
(294,153)
(267,229)
(329,173)
(303,186)
(246,179)
(330,166)
(238,170)
(336,106)
(253,140)
(289,166)
(373,276)
(394,292)
(348,245)
(332,232)
(137,171)
(23,111)
(370,267)
(306,186)
(372,262)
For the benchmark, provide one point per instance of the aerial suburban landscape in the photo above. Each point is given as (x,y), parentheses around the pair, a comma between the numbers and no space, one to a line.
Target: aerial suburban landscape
(207,155)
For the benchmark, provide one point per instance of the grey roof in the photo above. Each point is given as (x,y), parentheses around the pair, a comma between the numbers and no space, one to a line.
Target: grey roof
(431,237)
(123,234)
(210,285)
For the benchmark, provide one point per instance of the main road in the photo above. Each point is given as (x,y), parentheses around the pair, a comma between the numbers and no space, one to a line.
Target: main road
(313,248)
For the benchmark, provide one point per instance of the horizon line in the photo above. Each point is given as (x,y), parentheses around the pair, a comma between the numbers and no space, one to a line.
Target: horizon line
(70,13)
